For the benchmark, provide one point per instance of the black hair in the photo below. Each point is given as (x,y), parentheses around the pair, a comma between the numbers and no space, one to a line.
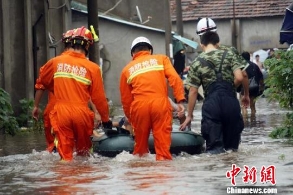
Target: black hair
(209,38)
(80,45)
(256,55)
(67,45)
(246,55)
(141,47)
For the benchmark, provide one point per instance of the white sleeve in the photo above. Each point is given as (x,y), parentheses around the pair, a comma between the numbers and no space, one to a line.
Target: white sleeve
(173,104)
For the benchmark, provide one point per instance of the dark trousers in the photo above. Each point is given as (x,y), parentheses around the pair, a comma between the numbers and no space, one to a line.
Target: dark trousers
(179,62)
(222,122)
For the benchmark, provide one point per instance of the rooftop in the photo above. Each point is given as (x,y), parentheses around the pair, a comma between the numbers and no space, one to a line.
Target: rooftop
(223,9)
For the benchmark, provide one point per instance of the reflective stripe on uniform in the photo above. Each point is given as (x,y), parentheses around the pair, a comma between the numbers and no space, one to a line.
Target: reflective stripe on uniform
(144,70)
(56,142)
(72,76)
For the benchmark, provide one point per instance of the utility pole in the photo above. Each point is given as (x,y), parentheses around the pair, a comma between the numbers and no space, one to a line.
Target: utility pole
(179,23)
(94,51)
(234,32)
(168,29)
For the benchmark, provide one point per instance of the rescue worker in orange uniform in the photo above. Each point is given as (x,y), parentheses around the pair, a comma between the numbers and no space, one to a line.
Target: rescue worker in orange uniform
(75,80)
(49,135)
(144,97)
(51,98)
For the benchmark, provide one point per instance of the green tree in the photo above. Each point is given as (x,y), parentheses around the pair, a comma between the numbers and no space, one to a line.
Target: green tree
(8,123)
(280,88)
(25,118)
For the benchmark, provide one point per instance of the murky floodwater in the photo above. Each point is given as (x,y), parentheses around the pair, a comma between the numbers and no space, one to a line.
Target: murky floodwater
(25,168)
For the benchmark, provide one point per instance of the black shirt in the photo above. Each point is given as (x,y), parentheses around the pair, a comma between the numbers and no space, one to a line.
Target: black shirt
(253,70)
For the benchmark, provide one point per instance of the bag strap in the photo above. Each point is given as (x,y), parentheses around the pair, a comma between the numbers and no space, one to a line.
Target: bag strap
(253,68)
(212,66)
(223,57)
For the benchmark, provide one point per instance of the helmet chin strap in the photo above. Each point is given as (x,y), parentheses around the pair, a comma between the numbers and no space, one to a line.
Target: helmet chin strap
(206,30)
(208,26)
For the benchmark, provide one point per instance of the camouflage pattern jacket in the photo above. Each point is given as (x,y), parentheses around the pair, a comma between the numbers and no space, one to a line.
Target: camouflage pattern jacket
(205,76)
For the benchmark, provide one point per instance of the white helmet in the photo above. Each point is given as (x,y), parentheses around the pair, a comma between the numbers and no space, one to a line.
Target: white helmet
(205,25)
(141,41)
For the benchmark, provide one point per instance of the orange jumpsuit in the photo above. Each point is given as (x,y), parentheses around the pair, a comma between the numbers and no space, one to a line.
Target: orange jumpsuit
(144,97)
(75,80)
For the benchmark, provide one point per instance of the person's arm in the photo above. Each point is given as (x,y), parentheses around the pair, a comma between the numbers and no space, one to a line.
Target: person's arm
(239,65)
(36,109)
(173,104)
(194,81)
(192,97)
(240,78)
(97,114)
(174,81)
(178,108)
(177,84)
(245,83)
(126,96)
(98,96)
(39,93)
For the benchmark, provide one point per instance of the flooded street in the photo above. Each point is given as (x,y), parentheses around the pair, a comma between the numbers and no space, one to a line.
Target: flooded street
(25,168)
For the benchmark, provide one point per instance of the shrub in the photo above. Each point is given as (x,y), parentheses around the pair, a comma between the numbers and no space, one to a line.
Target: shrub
(25,118)
(8,123)
(286,130)
(280,88)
